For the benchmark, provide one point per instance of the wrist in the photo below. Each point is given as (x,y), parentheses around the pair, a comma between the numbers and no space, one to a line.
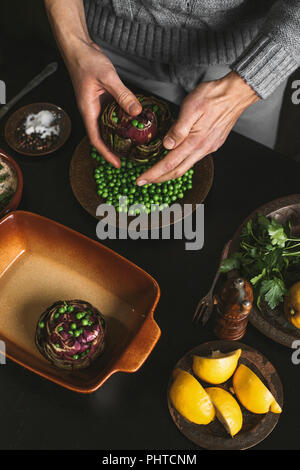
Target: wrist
(68,23)
(237,87)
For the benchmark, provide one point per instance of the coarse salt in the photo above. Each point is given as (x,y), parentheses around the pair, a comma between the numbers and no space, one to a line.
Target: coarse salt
(41,123)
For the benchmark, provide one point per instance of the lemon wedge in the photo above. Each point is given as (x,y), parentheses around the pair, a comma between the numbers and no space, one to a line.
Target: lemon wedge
(228,410)
(252,393)
(292,305)
(217,368)
(190,399)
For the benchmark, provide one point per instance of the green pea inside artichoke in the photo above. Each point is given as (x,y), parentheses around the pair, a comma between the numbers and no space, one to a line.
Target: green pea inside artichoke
(140,138)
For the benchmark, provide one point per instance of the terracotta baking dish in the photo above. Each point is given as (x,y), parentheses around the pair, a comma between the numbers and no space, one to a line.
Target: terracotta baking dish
(42,261)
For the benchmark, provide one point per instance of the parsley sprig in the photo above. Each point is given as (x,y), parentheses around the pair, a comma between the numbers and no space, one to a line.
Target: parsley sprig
(269,257)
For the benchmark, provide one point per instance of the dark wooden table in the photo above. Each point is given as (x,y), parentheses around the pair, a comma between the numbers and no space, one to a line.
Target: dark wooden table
(130,411)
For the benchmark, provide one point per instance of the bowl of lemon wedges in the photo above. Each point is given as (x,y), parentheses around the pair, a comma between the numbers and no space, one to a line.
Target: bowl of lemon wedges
(225,395)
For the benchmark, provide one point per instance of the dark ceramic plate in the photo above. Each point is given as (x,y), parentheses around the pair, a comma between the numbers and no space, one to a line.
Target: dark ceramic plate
(256,427)
(273,323)
(20,115)
(85,189)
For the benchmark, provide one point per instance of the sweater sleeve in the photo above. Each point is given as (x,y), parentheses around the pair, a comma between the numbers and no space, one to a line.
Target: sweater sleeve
(275,53)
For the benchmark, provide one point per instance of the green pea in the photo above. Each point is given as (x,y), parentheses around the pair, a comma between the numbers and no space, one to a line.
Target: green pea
(57,345)
(70,308)
(141,125)
(62,310)
(115,119)
(80,315)
(75,357)
(56,316)
(134,122)
(42,324)
(60,328)
(77,333)
(70,332)
(85,322)
(73,326)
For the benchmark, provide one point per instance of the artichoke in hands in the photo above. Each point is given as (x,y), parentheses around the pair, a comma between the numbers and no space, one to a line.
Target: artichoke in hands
(71,334)
(139,138)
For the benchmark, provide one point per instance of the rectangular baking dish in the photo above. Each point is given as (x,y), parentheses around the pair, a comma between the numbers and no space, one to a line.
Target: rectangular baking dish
(41,262)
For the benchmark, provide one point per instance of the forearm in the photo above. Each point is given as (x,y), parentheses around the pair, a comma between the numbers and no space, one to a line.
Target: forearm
(275,53)
(67,19)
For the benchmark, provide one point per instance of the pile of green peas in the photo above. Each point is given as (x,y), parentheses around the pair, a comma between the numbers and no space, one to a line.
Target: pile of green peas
(115,183)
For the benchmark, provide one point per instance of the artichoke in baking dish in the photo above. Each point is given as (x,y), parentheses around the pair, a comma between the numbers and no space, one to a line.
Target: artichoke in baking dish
(138,138)
(71,334)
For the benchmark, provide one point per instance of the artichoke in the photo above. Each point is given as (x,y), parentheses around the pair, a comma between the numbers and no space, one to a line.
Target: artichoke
(71,334)
(139,138)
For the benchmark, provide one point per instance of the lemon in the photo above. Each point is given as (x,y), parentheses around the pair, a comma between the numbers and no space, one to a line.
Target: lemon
(252,393)
(292,305)
(217,368)
(190,399)
(228,410)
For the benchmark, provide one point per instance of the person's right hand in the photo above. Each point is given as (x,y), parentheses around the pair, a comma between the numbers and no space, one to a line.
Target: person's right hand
(93,74)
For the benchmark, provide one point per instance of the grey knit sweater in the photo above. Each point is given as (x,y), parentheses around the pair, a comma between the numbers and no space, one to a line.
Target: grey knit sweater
(260,39)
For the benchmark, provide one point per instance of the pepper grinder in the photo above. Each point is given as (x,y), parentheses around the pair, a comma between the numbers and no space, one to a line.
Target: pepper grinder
(233,307)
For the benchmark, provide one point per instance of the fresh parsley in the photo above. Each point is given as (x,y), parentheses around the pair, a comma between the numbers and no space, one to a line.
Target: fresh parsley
(269,257)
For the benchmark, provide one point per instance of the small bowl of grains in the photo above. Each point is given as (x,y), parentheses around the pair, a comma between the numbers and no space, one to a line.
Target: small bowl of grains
(11,184)
(37,129)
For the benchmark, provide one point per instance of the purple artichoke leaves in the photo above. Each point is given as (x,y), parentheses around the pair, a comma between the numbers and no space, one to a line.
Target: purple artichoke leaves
(71,334)
(140,138)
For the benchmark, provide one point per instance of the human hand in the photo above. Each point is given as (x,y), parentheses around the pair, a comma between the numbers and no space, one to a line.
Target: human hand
(206,117)
(93,75)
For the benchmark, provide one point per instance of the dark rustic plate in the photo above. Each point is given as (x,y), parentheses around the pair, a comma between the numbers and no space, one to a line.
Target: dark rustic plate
(273,323)
(256,427)
(85,189)
(16,118)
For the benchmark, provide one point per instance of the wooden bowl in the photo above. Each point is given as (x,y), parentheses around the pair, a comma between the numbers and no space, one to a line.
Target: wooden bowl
(273,323)
(33,275)
(16,198)
(20,115)
(85,189)
(256,427)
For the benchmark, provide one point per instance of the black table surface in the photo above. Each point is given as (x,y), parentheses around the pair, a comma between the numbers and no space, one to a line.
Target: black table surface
(130,410)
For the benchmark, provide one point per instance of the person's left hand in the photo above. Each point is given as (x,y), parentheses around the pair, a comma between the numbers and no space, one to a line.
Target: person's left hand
(206,117)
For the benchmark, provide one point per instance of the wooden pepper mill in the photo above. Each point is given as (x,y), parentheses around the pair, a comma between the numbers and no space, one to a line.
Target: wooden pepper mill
(233,306)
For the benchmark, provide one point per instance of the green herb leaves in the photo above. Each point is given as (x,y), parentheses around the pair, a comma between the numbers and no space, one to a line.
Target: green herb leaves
(273,291)
(268,257)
